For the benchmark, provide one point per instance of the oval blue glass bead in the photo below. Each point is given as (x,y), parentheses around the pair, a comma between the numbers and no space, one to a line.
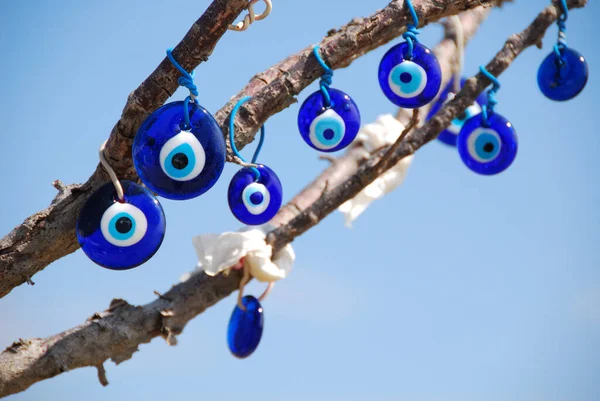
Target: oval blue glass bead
(487,150)
(328,129)
(254,202)
(245,328)
(450,134)
(117,235)
(563,82)
(176,163)
(410,83)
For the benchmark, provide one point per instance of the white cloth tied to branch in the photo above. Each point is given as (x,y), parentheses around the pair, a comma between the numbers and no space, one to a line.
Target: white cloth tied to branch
(382,132)
(219,252)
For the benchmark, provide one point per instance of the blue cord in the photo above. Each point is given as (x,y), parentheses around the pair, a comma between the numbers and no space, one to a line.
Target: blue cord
(186,79)
(561,44)
(411,30)
(326,78)
(232,137)
(491,96)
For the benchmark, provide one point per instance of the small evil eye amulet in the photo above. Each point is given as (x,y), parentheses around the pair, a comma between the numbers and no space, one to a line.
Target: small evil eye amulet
(245,328)
(121,225)
(487,143)
(329,119)
(179,150)
(450,134)
(255,193)
(409,73)
(564,73)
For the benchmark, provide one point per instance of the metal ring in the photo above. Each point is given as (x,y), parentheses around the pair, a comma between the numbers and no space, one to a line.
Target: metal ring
(251,16)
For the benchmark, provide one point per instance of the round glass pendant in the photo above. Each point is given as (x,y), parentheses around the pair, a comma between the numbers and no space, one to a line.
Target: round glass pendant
(245,328)
(450,134)
(329,129)
(563,78)
(410,83)
(252,201)
(175,161)
(487,150)
(121,235)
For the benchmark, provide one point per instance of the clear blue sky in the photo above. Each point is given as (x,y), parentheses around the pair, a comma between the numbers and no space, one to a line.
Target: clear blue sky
(458,287)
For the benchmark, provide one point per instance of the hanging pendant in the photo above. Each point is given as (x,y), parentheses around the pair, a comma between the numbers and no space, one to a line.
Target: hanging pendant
(489,149)
(563,78)
(410,82)
(450,134)
(175,161)
(252,200)
(121,235)
(329,129)
(245,327)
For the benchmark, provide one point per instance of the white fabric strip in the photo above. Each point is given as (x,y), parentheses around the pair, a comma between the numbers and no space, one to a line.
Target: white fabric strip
(218,252)
(374,136)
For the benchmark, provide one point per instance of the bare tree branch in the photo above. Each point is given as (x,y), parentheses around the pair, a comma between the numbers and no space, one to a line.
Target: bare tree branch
(117,332)
(50,234)
(370,170)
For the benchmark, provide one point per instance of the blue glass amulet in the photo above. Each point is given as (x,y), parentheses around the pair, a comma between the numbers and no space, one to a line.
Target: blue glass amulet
(245,328)
(329,129)
(254,201)
(450,134)
(117,235)
(563,78)
(487,150)
(175,161)
(410,82)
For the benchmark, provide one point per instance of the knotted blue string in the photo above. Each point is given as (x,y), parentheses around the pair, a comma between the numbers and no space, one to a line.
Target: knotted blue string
(326,78)
(411,30)
(187,80)
(232,137)
(561,44)
(488,109)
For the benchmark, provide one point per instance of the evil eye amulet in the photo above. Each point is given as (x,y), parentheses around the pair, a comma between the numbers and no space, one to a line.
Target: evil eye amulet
(175,161)
(252,201)
(563,79)
(450,134)
(329,129)
(487,150)
(245,328)
(121,235)
(410,83)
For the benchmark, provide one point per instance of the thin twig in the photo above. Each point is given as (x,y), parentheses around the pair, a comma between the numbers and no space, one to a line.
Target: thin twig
(382,164)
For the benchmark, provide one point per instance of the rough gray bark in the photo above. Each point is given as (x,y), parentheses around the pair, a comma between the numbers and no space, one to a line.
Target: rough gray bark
(50,234)
(116,333)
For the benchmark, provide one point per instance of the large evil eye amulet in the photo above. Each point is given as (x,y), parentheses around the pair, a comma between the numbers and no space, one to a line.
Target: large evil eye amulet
(179,150)
(121,234)
(328,129)
(490,148)
(329,119)
(255,199)
(450,134)
(409,73)
(563,77)
(410,82)
(178,161)
(245,327)
(564,73)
